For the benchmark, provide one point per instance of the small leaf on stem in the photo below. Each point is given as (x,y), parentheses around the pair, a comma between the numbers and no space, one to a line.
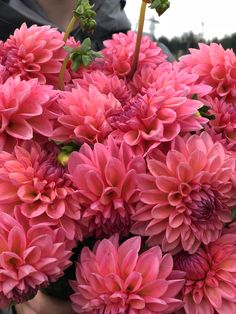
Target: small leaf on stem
(159,5)
(82,55)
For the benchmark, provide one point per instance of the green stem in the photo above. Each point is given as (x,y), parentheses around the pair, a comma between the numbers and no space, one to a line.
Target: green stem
(65,62)
(139,39)
(62,73)
(69,28)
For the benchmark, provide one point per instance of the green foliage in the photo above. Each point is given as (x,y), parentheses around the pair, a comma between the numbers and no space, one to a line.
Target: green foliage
(203,111)
(234,214)
(65,152)
(82,55)
(180,45)
(85,15)
(160,6)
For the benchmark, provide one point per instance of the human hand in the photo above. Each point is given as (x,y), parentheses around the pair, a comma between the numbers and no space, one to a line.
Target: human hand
(43,304)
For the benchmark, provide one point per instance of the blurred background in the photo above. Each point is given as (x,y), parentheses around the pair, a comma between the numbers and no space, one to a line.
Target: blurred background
(188,22)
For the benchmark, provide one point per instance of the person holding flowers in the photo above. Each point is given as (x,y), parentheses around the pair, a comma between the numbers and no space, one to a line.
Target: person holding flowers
(110,17)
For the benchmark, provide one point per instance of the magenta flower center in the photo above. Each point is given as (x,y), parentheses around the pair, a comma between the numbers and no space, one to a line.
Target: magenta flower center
(204,207)
(195,265)
(51,169)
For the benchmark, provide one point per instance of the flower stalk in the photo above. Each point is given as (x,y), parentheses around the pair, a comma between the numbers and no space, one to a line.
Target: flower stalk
(139,39)
(66,60)
(160,6)
(84,14)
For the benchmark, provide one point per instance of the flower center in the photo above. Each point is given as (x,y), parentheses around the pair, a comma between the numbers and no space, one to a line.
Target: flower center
(204,207)
(195,265)
(52,170)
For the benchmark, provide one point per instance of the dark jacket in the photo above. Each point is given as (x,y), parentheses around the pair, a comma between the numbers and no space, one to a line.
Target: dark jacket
(110,18)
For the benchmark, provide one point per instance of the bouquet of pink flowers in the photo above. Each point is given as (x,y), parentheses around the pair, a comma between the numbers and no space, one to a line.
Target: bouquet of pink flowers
(140,166)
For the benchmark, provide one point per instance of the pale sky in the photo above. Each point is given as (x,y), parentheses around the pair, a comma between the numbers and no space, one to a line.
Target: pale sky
(213,18)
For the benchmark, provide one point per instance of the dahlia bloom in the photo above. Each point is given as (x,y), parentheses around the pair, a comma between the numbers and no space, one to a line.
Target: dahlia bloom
(35,52)
(3,74)
(106,85)
(157,116)
(189,193)
(30,257)
(32,180)
(118,54)
(210,285)
(25,108)
(224,121)
(116,279)
(215,67)
(83,115)
(106,178)
(168,75)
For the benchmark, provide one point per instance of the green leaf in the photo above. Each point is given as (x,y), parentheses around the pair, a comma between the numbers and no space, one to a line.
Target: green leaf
(82,55)
(204,112)
(160,6)
(85,15)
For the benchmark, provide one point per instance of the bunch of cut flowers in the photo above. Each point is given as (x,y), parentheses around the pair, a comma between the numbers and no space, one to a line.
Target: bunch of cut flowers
(127,160)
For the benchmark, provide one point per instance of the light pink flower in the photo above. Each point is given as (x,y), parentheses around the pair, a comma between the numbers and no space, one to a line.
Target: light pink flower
(210,276)
(107,185)
(215,67)
(118,54)
(106,85)
(33,180)
(224,121)
(25,107)
(35,52)
(168,75)
(30,257)
(116,279)
(157,116)
(84,115)
(188,195)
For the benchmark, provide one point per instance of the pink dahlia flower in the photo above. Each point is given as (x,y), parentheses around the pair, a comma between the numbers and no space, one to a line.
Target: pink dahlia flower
(84,114)
(35,52)
(116,279)
(224,122)
(210,285)
(118,54)
(106,85)
(168,75)
(30,257)
(33,180)
(3,74)
(190,193)
(215,67)
(25,108)
(157,116)
(106,178)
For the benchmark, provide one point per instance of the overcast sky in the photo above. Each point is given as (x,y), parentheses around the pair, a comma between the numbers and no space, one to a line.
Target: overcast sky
(213,18)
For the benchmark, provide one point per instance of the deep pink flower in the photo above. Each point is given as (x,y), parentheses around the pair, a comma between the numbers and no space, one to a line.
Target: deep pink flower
(118,54)
(35,52)
(215,67)
(189,193)
(30,257)
(210,276)
(106,85)
(157,116)
(25,107)
(84,115)
(107,185)
(116,279)
(33,180)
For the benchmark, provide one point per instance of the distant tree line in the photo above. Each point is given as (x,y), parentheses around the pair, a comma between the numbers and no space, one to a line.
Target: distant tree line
(180,45)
